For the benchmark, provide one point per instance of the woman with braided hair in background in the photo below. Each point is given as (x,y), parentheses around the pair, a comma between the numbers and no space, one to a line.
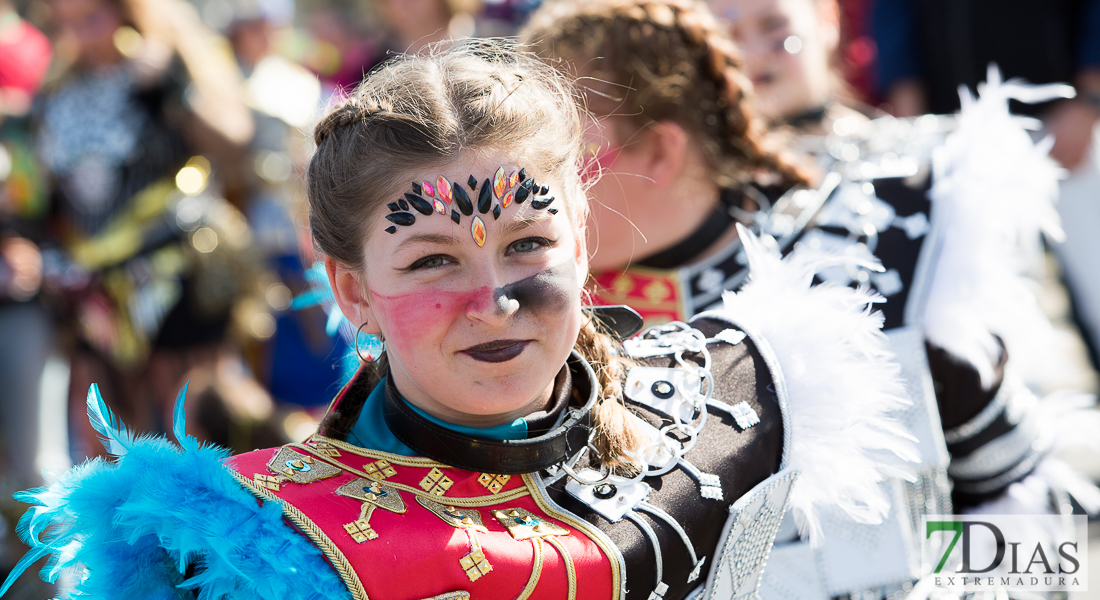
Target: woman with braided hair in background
(680,158)
(505,444)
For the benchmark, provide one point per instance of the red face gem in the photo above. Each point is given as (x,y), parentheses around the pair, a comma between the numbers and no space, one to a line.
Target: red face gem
(428,189)
(513,179)
(444,188)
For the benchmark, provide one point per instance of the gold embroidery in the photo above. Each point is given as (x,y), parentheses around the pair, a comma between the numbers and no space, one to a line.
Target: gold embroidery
(459,518)
(436,483)
(327,449)
(570,568)
(523,525)
(494,483)
(360,531)
(475,564)
(373,495)
(380,470)
(299,468)
(459,595)
(536,571)
(266,481)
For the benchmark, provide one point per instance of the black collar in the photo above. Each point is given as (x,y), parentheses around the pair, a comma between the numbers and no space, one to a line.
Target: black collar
(708,232)
(503,457)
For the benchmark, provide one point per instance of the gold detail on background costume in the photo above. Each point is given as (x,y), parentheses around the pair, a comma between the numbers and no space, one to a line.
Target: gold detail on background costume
(266,481)
(380,470)
(373,495)
(327,449)
(570,568)
(436,483)
(300,468)
(523,525)
(494,483)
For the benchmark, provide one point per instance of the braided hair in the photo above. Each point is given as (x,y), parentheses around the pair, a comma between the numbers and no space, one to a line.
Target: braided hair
(657,60)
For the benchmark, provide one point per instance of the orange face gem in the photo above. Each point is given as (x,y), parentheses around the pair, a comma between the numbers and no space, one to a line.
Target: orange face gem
(478,231)
(439,206)
(507,199)
(443,187)
(513,179)
(499,183)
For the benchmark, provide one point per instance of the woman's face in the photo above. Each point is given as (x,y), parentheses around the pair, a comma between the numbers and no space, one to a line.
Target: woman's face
(475,335)
(787,45)
(88,27)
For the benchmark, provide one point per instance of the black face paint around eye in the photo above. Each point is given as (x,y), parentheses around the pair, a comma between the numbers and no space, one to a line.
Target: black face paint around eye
(546,291)
(497,193)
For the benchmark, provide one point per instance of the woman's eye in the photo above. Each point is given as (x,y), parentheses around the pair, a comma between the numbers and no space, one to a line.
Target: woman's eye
(530,245)
(429,262)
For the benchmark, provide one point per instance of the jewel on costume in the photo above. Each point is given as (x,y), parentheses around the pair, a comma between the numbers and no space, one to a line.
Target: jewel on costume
(499,181)
(472,182)
(402,218)
(478,231)
(513,179)
(391,229)
(523,174)
(435,482)
(485,197)
(393,207)
(523,192)
(507,201)
(462,199)
(404,205)
(496,212)
(421,205)
(428,189)
(541,204)
(454,216)
(416,188)
(439,207)
(444,188)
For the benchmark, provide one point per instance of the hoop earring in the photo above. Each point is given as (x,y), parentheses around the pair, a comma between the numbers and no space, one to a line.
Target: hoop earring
(375,345)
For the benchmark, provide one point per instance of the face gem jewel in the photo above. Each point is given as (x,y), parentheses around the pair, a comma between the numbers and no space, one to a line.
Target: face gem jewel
(421,205)
(523,192)
(443,187)
(485,197)
(404,205)
(523,174)
(454,216)
(402,218)
(496,212)
(472,182)
(478,231)
(552,211)
(545,190)
(541,204)
(428,189)
(439,207)
(391,229)
(393,207)
(513,179)
(462,199)
(507,201)
(499,182)
(416,188)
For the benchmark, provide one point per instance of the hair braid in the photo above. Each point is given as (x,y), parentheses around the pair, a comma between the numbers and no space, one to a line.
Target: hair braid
(669,60)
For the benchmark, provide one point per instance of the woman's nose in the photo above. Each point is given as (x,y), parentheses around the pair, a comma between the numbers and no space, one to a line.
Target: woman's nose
(492,304)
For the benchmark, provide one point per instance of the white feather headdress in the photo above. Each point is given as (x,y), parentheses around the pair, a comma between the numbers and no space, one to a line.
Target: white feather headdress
(841,382)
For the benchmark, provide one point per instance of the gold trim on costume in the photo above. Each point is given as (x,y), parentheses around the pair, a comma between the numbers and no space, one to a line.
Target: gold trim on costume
(536,571)
(459,595)
(320,539)
(570,568)
(397,459)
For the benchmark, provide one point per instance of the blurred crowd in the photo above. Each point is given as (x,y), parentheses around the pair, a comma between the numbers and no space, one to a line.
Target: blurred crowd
(152,220)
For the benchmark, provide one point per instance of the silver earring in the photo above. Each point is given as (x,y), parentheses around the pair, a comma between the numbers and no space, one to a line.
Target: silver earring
(375,345)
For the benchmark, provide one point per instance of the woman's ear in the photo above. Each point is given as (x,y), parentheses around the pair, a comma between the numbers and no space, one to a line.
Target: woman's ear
(351,297)
(667,146)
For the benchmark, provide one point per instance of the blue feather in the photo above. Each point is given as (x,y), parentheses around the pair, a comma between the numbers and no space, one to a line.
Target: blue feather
(179,418)
(113,434)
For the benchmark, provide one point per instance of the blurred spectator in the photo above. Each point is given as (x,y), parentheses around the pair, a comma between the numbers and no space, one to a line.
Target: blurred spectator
(927,48)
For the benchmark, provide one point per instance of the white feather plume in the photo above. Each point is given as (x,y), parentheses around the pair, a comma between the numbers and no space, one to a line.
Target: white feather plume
(993,196)
(841,381)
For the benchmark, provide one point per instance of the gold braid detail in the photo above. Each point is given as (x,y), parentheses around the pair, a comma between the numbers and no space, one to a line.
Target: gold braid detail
(319,538)
(475,501)
(570,569)
(536,571)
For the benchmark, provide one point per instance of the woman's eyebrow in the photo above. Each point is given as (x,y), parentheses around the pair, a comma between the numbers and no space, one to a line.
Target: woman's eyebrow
(429,238)
(525,222)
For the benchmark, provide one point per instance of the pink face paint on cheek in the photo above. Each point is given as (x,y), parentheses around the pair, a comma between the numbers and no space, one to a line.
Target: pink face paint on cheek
(423,314)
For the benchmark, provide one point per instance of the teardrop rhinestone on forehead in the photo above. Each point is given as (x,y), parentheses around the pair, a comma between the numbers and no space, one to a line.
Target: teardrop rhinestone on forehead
(485,197)
(507,200)
(439,206)
(444,188)
(499,181)
(478,231)
(513,179)
(428,189)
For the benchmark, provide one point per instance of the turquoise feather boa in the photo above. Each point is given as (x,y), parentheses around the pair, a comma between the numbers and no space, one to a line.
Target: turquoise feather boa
(166,521)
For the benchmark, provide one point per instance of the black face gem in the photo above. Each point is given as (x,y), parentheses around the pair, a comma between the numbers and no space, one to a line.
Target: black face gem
(552,211)
(393,207)
(545,190)
(496,212)
(541,204)
(391,229)
(472,182)
(662,389)
(605,491)
(454,216)
(416,188)
(485,197)
(421,205)
(523,175)
(404,205)
(462,199)
(402,218)
(523,192)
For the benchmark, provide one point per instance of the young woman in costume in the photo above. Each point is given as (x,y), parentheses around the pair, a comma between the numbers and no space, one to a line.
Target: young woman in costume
(505,444)
(681,158)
